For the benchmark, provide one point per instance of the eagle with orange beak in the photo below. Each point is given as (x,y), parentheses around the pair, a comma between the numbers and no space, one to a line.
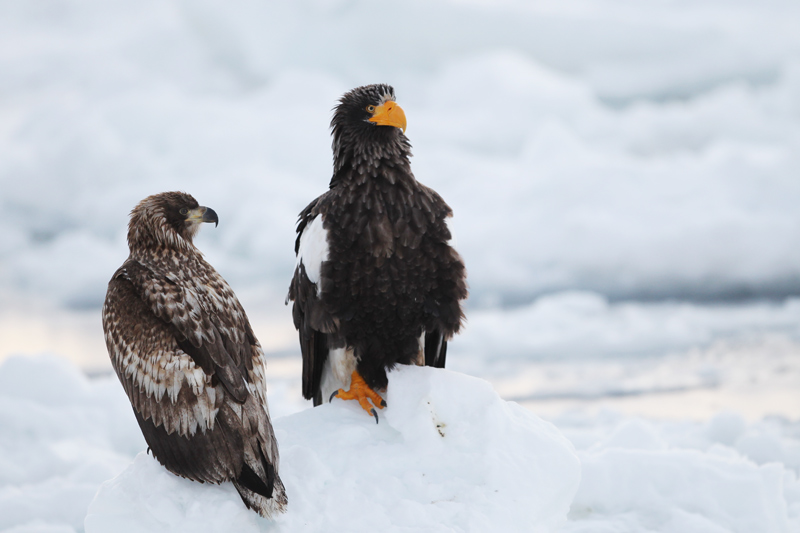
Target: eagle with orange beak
(376,281)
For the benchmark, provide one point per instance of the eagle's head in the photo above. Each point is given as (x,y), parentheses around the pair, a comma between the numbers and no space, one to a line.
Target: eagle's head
(168,219)
(366,119)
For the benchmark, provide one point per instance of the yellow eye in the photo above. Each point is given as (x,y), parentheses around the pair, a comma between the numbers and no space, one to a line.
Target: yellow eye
(371,108)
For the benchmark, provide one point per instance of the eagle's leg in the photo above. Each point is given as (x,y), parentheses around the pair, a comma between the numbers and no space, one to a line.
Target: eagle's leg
(359,390)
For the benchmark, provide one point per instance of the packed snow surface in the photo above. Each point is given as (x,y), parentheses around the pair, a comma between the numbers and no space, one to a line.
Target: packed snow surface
(61,436)
(448,454)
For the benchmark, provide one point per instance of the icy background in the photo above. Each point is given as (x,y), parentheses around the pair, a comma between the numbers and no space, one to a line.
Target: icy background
(625,178)
(635,151)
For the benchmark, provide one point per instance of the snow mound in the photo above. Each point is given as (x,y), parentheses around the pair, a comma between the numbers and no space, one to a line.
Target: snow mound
(61,436)
(647,489)
(636,479)
(447,455)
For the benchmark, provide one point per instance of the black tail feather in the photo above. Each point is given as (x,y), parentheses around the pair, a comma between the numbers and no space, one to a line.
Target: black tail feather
(250,480)
(435,349)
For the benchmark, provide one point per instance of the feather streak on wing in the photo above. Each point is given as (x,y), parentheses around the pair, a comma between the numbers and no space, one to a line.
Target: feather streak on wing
(184,352)
(141,356)
(205,342)
(311,319)
(306,311)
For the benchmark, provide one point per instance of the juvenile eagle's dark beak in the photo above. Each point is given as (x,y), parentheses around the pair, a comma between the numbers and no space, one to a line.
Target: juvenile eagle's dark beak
(203,214)
(211,216)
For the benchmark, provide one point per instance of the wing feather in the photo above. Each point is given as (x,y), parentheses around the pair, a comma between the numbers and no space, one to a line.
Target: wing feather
(212,346)
(205,426)
(311,319)
(149,362)
(435,349)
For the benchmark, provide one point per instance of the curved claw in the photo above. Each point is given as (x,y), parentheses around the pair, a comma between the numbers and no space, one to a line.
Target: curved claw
(361,392)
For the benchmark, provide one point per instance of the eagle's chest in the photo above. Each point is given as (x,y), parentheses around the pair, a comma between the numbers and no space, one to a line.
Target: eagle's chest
(374,230)
(382,251)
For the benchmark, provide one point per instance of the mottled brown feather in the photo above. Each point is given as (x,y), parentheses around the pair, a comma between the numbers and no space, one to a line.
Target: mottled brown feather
(183,349)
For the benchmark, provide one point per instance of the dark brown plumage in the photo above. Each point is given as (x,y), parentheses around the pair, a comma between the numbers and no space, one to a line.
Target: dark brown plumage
(181,345)
(376,281)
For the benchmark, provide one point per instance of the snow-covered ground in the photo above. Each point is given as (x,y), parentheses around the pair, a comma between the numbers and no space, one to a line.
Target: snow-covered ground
(625,181)
(448,455)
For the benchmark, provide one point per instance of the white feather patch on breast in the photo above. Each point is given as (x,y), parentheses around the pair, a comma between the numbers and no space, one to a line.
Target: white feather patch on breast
(313,249)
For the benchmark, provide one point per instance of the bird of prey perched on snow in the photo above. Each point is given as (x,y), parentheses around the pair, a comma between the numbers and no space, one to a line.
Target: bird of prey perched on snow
(182,346)
(376,281)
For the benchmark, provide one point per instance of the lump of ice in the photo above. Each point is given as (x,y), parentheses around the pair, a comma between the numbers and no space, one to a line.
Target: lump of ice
(61,436)
(448,454)
(636,480)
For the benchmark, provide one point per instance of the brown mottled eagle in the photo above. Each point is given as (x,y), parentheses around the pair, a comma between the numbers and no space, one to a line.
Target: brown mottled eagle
(182,346)
(376,281)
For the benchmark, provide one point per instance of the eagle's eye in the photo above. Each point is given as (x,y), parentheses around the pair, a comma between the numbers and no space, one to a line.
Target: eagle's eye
(184,211)
(371,108)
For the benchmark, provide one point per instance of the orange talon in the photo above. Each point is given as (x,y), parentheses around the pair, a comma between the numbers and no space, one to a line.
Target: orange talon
(359,390)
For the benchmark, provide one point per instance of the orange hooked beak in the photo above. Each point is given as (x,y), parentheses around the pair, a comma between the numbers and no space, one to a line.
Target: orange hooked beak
(389,114)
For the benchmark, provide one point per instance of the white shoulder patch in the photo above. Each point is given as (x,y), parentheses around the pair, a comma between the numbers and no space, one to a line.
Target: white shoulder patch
(453,242)
(313,249)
